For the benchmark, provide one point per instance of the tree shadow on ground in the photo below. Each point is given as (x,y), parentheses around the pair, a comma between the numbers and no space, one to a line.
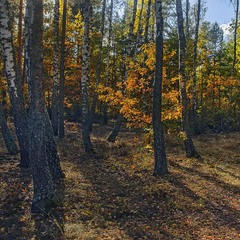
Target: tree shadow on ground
(16,220)
(51,225)
(128,201)
(208,177)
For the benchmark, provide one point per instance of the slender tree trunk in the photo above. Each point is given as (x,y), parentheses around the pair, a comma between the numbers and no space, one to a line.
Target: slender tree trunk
(99,65)
(7,135)
(62,72)
(14,85)
(187,18)
(55,92)
(133,17)
(186,131)
(85,78)
(109,47)
(195,53)
(159,144)
(19,56)
(42,179)
(235,38)
(147,21)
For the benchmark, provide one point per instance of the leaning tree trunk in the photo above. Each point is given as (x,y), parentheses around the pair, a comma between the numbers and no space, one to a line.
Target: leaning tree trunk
(14,84)
(159,144)
(42,179)
(130,53)
(55,91)
(195,102)
(186,131)
(7,135)
(85,78)
(62,70)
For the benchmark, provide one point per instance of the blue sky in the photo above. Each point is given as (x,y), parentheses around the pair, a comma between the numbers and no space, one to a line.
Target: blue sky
(220,11)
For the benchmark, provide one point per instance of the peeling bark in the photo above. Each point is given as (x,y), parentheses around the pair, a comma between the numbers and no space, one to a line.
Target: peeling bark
(14,84)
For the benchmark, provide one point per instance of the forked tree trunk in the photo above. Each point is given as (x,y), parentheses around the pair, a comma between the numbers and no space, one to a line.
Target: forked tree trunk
(62,72)
(55,91)
(7,135)
(85,78)
(14,84)
(159,144)
(39,124)
(186,131)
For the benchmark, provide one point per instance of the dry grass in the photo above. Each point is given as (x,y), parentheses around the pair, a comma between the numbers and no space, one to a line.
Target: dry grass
(113,195)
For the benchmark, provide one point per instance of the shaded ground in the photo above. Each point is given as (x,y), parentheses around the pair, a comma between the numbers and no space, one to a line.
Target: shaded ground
(113,195)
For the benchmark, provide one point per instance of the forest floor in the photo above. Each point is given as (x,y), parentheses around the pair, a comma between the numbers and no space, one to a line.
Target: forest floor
(113,195)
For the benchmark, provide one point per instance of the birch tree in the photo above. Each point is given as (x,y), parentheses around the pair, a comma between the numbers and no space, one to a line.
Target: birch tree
(14,84)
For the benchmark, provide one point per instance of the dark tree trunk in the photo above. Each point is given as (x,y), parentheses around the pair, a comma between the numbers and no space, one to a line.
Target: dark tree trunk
(14,84)
(7,135)
(85,78)
(186,131)
(159,144)
(42,178)
(55,92)
(62,71)
(51,150)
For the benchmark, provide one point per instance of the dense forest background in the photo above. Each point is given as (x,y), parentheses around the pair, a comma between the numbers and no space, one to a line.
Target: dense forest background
(215,85)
